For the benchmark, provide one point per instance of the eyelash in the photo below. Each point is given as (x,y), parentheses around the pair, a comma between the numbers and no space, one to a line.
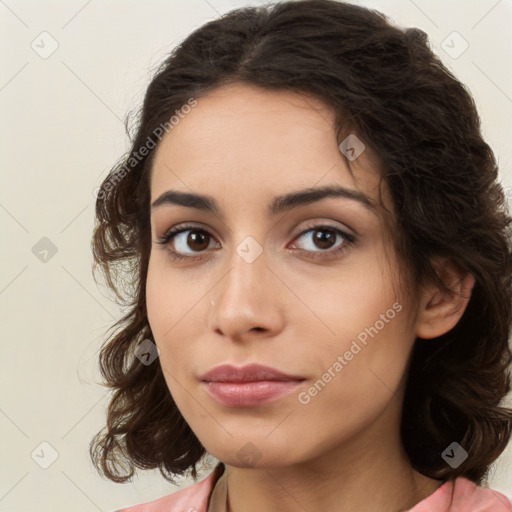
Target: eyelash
(176,256)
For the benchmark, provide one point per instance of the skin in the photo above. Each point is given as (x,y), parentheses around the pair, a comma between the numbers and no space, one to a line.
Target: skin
(244,146)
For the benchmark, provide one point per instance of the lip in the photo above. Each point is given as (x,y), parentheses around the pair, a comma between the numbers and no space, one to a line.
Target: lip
(248,386)
(248,373)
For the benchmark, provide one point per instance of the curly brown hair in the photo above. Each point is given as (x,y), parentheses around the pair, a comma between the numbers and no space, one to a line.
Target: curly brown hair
(443,177)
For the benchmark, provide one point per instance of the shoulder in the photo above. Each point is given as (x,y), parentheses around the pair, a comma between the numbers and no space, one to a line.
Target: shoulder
(463,495)
(191,499)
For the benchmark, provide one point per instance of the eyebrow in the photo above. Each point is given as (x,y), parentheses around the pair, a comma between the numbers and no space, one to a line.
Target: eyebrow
(280,204)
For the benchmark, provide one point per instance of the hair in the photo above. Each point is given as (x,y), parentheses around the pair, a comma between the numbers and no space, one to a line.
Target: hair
(443,179)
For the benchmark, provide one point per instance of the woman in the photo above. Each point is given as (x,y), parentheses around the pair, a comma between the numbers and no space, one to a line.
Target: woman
(318,266)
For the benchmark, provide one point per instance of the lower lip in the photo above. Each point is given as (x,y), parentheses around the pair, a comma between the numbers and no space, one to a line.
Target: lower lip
(250,394)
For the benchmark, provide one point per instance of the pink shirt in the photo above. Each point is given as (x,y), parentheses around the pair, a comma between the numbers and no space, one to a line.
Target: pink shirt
(467,497)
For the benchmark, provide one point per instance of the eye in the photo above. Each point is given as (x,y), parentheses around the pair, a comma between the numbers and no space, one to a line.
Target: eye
(325,239)
(189,242)
(186,237)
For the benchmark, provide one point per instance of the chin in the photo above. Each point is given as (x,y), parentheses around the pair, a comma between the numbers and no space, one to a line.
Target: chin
(247,453)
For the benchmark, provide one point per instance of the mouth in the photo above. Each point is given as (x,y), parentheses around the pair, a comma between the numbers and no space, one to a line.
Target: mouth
(248,386)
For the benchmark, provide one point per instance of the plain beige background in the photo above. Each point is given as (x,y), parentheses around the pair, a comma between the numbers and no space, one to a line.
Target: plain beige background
(70,72)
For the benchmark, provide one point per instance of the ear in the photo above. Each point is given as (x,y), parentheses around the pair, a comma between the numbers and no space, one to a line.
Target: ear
(439,311)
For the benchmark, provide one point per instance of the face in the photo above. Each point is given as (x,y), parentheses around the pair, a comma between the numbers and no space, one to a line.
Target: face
(300,286)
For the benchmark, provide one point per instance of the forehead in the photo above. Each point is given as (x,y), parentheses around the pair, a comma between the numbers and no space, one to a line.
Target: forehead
(240,136)
(244,118)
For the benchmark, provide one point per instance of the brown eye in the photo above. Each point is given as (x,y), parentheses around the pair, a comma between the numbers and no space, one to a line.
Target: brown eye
(187,241)
(323,242)
(196,240)
(323,238)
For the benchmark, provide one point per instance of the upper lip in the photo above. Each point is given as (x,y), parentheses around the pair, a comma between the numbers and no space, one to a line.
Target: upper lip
(248,373)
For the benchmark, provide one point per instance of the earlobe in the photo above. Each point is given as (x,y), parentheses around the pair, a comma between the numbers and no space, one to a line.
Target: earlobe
(439,311)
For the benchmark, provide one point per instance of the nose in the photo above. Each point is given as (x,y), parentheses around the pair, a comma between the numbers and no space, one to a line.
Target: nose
(247,301)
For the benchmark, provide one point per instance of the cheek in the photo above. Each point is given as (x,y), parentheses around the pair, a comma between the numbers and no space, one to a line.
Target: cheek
(355,381)
(367,336)
(171,299)
(348,301)
(174,320)
(166,314)
(158,301)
